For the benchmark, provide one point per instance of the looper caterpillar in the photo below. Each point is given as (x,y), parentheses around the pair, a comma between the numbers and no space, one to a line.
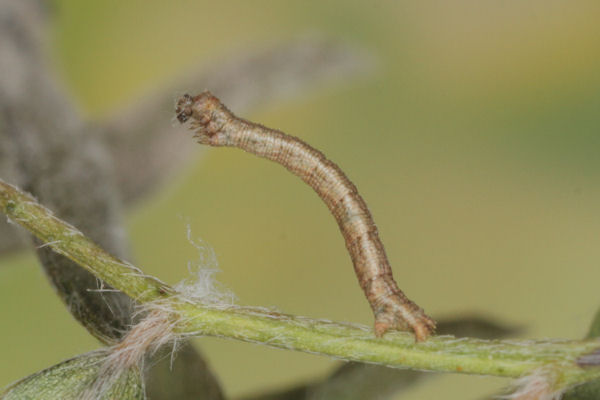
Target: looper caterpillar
(215,125)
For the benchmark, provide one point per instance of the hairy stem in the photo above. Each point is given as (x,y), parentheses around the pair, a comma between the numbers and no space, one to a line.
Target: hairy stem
(509,358)
(356,381)
(67,240)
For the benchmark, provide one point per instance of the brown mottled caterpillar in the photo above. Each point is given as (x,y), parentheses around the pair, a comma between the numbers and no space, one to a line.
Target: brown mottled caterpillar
(215,125)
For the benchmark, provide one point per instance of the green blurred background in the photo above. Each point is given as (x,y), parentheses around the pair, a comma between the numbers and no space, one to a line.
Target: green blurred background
(475,142)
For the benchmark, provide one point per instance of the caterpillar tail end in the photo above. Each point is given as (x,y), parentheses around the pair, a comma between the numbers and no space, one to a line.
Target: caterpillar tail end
(396,312)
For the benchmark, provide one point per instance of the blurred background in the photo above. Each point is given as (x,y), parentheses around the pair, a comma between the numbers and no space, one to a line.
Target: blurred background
(472,135)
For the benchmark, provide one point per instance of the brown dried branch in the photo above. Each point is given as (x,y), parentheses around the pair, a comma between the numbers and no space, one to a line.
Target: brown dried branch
(47,149)
(143,139)
(45,152)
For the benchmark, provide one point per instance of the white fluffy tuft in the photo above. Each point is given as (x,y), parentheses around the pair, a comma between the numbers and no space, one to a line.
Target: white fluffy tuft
(201,286)
(156,329)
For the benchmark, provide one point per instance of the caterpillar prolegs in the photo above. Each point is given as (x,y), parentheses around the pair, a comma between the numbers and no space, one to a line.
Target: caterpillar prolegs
(215,125)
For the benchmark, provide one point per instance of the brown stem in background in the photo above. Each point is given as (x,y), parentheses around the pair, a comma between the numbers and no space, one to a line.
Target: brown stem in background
(141,141)
(48,149)
(45,148)
(144,142)
(215,125)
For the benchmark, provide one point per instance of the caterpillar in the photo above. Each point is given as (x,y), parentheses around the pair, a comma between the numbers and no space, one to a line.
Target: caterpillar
(215,125)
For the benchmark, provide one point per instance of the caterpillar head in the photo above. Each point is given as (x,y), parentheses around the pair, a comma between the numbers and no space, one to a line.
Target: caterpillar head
(208,116)
(183,110)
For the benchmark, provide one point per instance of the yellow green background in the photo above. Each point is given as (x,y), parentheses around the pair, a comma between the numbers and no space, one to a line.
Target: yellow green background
(475,141)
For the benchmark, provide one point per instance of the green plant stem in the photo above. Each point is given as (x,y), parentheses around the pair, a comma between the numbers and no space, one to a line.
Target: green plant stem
(508,358)
(65,239)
